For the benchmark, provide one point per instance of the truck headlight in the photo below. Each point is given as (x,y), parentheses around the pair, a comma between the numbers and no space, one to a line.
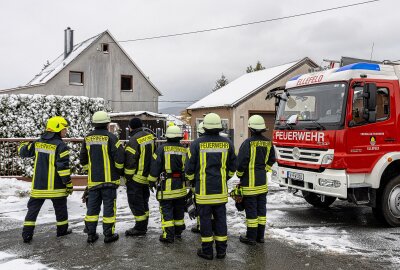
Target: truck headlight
(327,159)
(329,183)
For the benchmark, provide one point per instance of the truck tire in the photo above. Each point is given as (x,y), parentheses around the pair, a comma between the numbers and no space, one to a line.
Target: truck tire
(316,199)
(388,203)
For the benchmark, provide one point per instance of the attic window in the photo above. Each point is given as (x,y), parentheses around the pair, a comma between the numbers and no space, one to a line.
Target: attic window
(104,47)
(126,83)
(76,78)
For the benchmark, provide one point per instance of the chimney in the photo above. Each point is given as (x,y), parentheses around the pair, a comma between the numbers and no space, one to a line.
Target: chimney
(68,41)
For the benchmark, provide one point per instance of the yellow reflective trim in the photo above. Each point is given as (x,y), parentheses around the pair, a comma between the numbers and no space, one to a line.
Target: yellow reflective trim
(262,220)
(168,163)
(203,165)
(221,238)
(140,179)
(118,144)
(211,198)
(207,239)
(109,219)
(141,218)
(115,215)
(252,222)
(224,156)
(141,159)
(129,171)
(85,167)
(93,184)
(29,223)
(91,218)
(147,213)
(154,156)
(239,174)
(152,178)
(253,154)
(145,139)
(20,146)
(173,194)
(190,176)
(130,150)
(169,223)
(64,172)
(254,190)
(168,184)
(189,154)
(89,166)
(179,222)
(56,193)
(65,153)
(119,165)
(60,223)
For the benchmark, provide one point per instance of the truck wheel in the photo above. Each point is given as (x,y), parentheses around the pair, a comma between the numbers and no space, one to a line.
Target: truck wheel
(389,203)
(316,199)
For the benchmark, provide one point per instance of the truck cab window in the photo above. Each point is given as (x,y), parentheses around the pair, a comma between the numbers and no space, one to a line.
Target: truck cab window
(382,105)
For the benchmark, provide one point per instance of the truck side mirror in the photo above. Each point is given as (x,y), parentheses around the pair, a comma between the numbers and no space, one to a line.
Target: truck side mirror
(369,96)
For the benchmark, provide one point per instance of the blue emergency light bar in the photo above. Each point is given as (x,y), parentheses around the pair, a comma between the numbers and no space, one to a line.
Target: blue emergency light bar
(364,66)
(295,77)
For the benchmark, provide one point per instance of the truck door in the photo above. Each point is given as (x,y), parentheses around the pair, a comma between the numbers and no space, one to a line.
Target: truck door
(367,142)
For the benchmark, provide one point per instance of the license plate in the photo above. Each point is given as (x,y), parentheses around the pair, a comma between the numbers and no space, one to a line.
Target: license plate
(295,176)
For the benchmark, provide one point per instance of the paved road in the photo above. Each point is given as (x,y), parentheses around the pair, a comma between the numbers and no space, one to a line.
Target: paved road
(373,247)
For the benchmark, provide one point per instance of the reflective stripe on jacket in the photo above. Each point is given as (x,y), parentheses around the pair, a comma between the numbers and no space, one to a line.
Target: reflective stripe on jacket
(211,162)
(102,155)
(169,158)
(256,156)
(138,155)
(51,169)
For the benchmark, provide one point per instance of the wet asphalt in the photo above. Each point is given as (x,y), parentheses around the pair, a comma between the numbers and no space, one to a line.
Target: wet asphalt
(72,252)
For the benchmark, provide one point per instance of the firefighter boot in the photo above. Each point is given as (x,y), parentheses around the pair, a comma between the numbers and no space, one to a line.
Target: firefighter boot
(203,255)
(27,237)
(166,240)
(134,232)
(247,241)
(111,238)
(260,233)
(63,232)
(92,238)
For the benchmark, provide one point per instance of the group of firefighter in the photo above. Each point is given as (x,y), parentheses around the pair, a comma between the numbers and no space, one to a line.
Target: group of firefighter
(204,168)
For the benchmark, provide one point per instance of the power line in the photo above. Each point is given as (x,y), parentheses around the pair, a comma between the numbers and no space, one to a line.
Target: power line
(250,23)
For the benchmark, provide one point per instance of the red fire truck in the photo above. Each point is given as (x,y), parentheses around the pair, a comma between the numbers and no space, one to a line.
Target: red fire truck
(337,135)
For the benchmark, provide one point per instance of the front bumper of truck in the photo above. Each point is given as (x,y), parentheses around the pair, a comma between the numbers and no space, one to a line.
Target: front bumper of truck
(330,182)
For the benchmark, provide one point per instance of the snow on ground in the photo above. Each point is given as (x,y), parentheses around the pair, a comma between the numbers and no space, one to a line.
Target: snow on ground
(14,195)
(9,261)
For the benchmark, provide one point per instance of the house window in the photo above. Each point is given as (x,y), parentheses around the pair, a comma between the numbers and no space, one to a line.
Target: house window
(126,83)
(76,78)
(104,47)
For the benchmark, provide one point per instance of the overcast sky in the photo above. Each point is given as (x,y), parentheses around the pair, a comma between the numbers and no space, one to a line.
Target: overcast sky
(186,67)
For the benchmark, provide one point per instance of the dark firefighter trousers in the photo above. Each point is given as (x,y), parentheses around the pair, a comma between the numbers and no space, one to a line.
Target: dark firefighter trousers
(34,206)
(206,212)
(172,217)
(138,199)
(96,197)
(256,211)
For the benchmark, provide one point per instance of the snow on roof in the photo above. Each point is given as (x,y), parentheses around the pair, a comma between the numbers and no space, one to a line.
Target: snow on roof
(137,113)
(57,65)
(242,87)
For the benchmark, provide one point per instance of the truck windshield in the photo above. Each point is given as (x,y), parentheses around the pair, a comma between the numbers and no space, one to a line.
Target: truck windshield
(312,107)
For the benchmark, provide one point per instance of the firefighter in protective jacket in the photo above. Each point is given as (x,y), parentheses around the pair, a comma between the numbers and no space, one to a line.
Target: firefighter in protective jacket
(255,158)
(138,155)
(211,162)
(102,155)
(169,160)
(51,176)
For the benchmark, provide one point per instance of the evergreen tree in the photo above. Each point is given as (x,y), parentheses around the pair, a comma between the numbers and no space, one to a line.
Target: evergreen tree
(259,66)
(220,83)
